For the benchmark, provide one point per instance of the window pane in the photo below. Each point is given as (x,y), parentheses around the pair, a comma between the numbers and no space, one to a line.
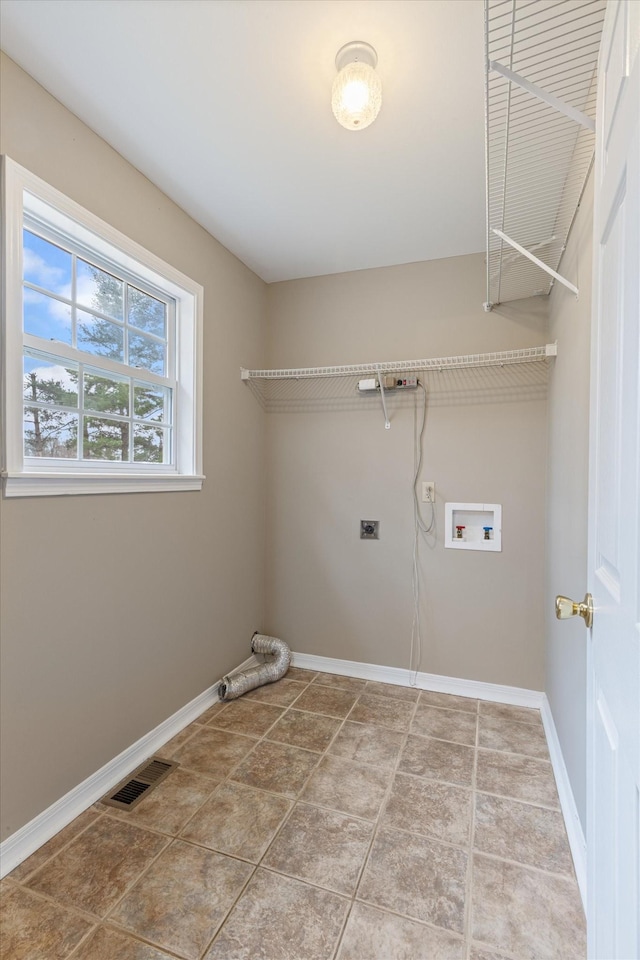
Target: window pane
(50,433)
(47,380)
(106,394)
(150,444)
(46,317)
(151,402)
(46,265)
(100,337)
(146,312)
(146,353)
(97,289)
(105,439)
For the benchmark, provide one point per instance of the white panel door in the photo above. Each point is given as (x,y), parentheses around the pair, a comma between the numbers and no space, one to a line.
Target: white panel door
(613,767)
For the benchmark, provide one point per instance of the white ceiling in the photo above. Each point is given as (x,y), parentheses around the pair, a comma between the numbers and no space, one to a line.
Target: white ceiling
(225,105)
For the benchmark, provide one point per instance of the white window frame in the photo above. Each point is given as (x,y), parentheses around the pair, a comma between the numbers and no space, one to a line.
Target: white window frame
(24,193)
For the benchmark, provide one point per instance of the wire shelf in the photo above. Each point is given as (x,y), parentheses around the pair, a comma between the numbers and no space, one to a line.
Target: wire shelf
(541,74)
(522,355)
(491,377)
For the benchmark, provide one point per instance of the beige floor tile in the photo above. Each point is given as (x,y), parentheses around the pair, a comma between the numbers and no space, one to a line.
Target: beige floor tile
(396,692)
(479,953)
(372,934)
(214,753)
(54,845)
(419,878)
(366,743)
(168,807)
(438,760)
(247,716)
(498,733)
(278,918)
(212,712)
(300,674)
(509,711)
(383,712)
(525,913)
(33,928)
(326,700)
(518,831)
(454,725)
(348,787)
(322,847)
(276,767)
(181,901)
(430,698)
(109,944)
(432,809)
(351,684)
(170,900)
(308,730)
(523,778)
(96,868)
(282,693)
(173,745)
(238,821)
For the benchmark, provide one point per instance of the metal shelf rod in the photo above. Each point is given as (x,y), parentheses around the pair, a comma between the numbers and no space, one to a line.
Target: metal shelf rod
(538,263)
(547,98)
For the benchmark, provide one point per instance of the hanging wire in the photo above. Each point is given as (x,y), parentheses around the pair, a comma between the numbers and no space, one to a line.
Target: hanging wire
(419,527)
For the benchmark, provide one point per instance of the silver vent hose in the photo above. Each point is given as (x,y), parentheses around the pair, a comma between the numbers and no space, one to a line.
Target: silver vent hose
(234,686)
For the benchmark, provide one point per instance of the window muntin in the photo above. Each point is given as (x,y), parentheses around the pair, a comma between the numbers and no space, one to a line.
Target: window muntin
(103,315)
(102,364)
(119,418)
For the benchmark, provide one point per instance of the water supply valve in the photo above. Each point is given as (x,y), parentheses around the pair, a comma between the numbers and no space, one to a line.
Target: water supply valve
(473,526)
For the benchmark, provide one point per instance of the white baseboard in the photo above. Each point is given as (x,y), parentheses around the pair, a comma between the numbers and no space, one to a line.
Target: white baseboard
(34,834)
(498,693)
(568,806)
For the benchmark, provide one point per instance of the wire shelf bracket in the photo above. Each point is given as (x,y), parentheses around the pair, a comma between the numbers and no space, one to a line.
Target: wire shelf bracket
(540,97)
(539,263)
(541,94)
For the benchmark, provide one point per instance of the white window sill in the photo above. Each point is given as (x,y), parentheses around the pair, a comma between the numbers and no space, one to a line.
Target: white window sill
(57,485)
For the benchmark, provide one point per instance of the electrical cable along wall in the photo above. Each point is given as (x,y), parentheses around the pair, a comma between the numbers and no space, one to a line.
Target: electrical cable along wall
(421,528)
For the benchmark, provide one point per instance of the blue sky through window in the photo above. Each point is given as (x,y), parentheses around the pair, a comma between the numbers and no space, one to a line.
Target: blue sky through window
(46,317)
(46,265)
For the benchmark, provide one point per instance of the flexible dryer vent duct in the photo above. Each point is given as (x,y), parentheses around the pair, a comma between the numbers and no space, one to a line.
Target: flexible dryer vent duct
(234,686)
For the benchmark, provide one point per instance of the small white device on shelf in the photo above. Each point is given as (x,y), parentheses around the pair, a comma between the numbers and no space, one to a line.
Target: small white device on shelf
(473,526)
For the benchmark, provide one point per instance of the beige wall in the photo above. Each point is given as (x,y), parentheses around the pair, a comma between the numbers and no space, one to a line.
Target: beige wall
(567,512)
(329,593)
(117,610)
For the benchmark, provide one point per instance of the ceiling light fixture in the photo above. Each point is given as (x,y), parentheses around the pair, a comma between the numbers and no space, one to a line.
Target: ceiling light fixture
(356,96)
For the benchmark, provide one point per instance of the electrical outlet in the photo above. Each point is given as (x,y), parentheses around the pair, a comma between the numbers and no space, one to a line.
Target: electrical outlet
(428,491)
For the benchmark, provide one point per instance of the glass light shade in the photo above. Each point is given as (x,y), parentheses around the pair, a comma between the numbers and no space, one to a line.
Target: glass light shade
(356,96)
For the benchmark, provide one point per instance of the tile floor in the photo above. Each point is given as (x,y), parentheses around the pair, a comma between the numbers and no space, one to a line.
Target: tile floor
(318,817)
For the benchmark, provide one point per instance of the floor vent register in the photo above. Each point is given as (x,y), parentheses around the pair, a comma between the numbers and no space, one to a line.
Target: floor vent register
(139,784)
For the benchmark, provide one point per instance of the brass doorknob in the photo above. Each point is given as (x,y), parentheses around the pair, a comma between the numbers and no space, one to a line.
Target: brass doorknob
(566,608)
